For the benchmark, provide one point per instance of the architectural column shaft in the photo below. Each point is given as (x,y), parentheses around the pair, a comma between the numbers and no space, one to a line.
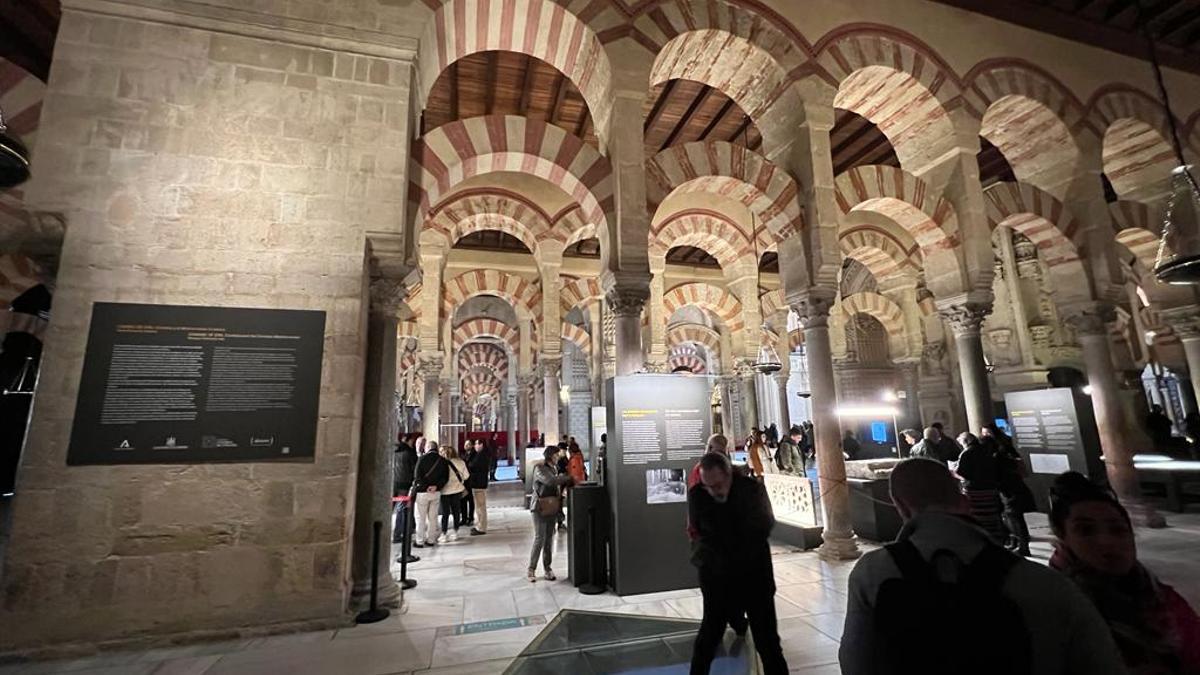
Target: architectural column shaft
(749,402)
(911,372)
(373,500)
(831,466)
(977,397)
(629,343)
(1012,281)
(785,422)
(430,407)
(550,386)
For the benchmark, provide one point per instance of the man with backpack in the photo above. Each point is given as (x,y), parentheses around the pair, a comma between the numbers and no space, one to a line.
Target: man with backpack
(945,599)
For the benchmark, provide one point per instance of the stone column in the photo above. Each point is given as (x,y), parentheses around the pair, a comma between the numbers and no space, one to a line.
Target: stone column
(1091,329)
(626,305)
(965,319)
(1012,281)
(373,498)
(781,383)
(513,422)
(657,358)
(551,368)
(726,383)
(749,390)
(430,369)
(813,309)
(910,378)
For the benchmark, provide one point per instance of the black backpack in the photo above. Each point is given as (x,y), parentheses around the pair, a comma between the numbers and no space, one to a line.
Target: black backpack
(951,627)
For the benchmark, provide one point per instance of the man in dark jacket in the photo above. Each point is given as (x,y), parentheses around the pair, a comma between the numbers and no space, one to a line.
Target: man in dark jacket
(429,477)
(403,462)
(479,467)
(789,459)
(733,518)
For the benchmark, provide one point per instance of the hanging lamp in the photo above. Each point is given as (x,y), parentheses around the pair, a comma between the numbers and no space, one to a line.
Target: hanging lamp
(1178,258)
(14,158)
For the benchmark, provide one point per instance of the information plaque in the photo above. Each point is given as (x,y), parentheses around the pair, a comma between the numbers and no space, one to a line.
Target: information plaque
(657,428)
(1055,431)
(179,384)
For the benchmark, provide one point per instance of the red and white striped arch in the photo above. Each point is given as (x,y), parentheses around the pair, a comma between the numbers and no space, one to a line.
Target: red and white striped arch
(705,229)
(577,336)
(1050,226)
(716,301)
(472,211)
(521,293)
(1137,227)
(542,29)
(1136,153)
(581,292)
(717,167)
(483,328)
(880,251)
(883,310)
(684,333)
(687,356)
(896,82)
(454,152)
(483,355)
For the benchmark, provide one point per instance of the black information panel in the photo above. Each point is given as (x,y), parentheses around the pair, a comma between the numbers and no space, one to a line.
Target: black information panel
(1055,431)
(168,384)
(657,427)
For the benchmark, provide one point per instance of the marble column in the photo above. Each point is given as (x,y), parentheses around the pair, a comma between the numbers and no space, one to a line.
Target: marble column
(910,378)
(1185,322)
(1091,329)
(551,368)
(626,306)
(373,497)
(513,426)
(726,383)
(785,420)
(430,369)
(965,320)
(813,309)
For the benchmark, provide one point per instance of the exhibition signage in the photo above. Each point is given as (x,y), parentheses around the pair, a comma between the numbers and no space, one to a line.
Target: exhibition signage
(181,384)
(658,425)
(1055,431)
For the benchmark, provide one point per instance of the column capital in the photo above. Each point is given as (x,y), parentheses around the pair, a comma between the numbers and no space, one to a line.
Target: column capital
(627,301)
(1092,319)
(1184,321)
(551,364)
(965,317)
(812,306)
(387,296)
(744,368)
(429,364)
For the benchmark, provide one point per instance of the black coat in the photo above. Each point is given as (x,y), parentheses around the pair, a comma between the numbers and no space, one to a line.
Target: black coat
(403,462)
(432,469)
(731,544)
(479,465)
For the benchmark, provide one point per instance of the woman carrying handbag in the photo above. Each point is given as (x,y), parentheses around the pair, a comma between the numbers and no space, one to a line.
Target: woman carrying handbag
(545,505)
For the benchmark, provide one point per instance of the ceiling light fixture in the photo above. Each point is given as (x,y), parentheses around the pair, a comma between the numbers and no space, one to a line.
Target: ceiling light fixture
(1181,223)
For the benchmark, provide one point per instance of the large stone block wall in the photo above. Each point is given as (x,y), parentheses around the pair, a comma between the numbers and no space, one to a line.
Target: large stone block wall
(205,168)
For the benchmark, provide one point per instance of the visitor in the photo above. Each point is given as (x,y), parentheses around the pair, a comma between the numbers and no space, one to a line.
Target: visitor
(808,444)
(1158,427)
(943,599)
(732,517)
(756,453)
(452,493)
(576,466)
(432,472)
(493,454)
(468,498)
(404,461)
(772,435)
(912,438)
(478,472)
(980,478)
(1015,495)
(1155,629)
(545,506)
(789,458)
(850,447)
(560,463)
(935,446)
(715,443)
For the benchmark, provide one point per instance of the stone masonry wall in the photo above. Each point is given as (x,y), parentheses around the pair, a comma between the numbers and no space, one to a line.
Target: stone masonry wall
(205,168)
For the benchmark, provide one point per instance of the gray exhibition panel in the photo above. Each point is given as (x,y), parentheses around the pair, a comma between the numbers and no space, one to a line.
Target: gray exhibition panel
(1055,431)
(657,428)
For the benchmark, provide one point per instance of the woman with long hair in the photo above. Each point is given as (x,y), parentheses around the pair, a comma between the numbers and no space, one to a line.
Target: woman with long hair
(545,506)
(1154,627)
(452,493)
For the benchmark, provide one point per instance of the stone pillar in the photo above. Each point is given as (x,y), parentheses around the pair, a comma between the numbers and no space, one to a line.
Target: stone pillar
(523,385)
(813,309)
(373,499)
(910,378)
(749,394)
(596,358)
(626,305)
(513,427)
(657,359)
(1185,321)
(965,319)
(431,372)
(781,382)
(1091,329)
(551,368)
(1012,281)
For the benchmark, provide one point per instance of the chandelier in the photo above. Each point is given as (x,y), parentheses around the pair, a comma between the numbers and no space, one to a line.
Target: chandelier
(1178,259)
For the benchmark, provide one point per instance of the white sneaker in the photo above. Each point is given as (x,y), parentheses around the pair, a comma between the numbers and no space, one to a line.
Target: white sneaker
(453,535)
(441,538)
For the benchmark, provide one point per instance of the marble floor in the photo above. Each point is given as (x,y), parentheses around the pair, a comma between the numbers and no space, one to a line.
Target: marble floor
(473,611)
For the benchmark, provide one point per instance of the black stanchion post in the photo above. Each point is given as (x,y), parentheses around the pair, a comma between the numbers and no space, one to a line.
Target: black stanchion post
(375,613)
(406,548)
(591,587)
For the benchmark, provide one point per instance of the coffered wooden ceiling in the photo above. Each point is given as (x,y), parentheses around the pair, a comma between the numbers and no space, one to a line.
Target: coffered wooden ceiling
(27,32)
(1109,24)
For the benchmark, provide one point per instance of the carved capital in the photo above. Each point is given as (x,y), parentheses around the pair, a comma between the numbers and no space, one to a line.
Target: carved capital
(429,365)
(551,365)
(744,368)
(1184,321)
(1092,320)
(387,296)
(965,318)
(626,302)
(812,307)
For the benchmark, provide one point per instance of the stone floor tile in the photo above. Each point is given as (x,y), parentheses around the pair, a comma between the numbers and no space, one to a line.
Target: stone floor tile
(535,599)
(452,650)
(483,668)
(487,606)
(830,624)
(371,655)
(814,598)
(192,665)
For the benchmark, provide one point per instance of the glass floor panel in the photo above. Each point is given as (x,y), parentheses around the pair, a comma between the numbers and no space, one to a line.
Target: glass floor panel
(595,643)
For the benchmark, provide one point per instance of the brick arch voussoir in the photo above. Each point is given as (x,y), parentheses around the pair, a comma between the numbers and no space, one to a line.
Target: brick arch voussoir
(994,79)
(523,294)
(718,301)
(1040,217)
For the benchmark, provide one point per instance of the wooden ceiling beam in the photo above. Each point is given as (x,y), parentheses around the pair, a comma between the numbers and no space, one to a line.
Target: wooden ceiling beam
(700,99)
(716,120)
(526,86)
(741,129)
(453,75)
(1179,25)
(490,82)
(657,109)
(560,90)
